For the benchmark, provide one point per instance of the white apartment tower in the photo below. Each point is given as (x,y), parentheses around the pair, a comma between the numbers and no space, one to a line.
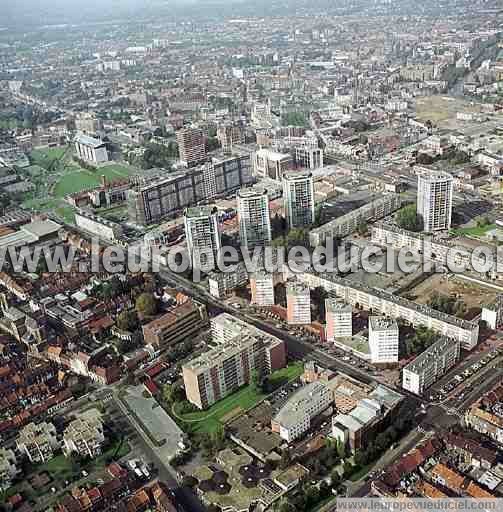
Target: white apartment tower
(383,340)
(254,217)
(434,200)
(298,197)
(430,365)
(203,236)
(339,319)
(262,288)
(298,303)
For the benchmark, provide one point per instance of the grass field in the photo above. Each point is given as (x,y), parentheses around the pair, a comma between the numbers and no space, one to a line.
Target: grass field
(245,398)
(76,181)
(114,171)
(441,108)
(44,157)
(475,231)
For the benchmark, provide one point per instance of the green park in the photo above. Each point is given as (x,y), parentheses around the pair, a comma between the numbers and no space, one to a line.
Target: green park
(56,174)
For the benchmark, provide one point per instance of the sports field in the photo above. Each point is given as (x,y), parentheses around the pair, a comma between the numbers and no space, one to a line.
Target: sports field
(77,179)
(57,175)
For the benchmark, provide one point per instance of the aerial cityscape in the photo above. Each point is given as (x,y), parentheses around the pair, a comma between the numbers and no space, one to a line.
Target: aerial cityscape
(251,254)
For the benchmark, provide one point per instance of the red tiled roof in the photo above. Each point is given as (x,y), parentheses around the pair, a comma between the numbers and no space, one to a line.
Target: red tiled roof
(151,386)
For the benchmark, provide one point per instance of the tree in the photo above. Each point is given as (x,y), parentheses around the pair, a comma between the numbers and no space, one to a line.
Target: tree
(318,296)
(341,449)
(424,159)
(335,477)
(212,144)
(407,218)
(127,320)
(189,481)
(360,458)
(285,460)
(146,304)
(483,221)
(362,229)
(382,441)
(294,119)
(348,469)
(447,304)
(313,496)
(286,506)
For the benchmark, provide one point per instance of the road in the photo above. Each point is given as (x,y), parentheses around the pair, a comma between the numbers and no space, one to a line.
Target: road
(166,472)
(297,349)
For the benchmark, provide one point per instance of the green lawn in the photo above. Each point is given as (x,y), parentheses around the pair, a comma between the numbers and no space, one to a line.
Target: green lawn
(290,372)
(80,179)
(44,157)
(244,399)
(67,212)
(475,231)
(115,171)
(75,182)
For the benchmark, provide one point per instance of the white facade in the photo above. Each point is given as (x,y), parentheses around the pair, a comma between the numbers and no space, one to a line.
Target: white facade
(221,283)
(309,157)
(391,305)
(8,468)
(91,149)
(298,197)
(298,303)
(84,435)
(271,164)
(262,289)
(348,223)
(339,319)
(98,226)
(38,442)
(428,367)
(383,340)
(254,217)
(493,314)
(294,419)
(434,200)
(203,237)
